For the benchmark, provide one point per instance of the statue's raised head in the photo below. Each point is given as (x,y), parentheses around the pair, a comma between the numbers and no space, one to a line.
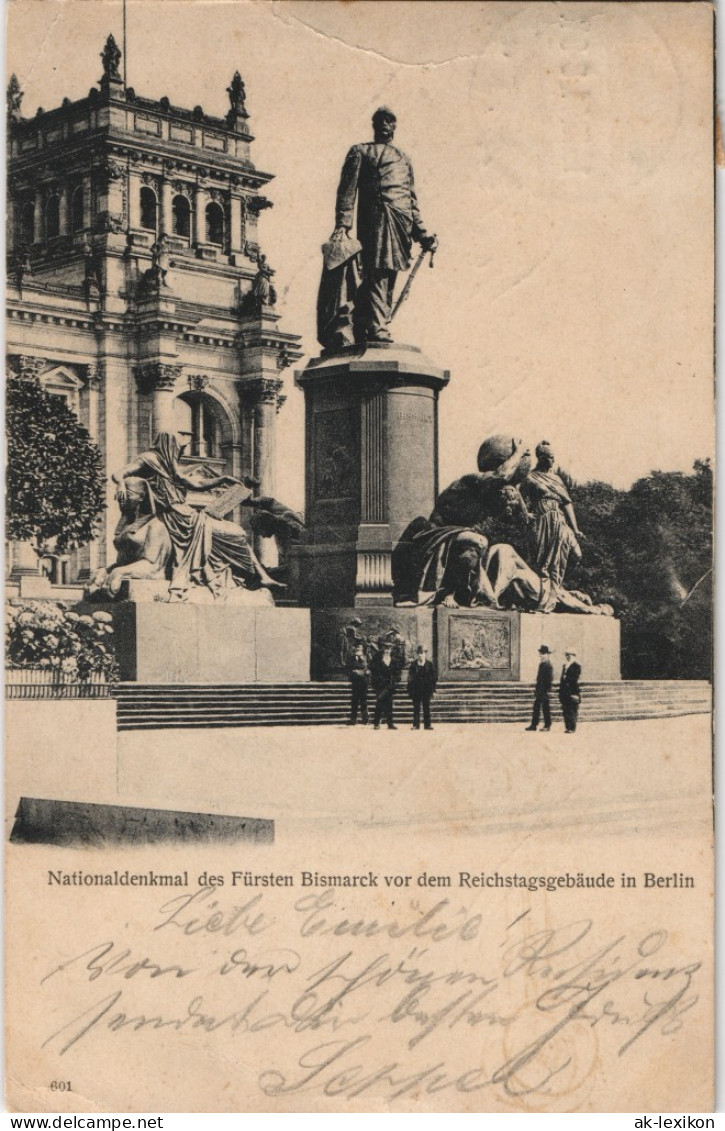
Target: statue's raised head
(544,455)
(384,123)
(495,450)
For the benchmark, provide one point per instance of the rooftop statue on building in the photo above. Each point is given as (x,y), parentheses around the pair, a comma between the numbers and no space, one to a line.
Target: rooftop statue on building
(237,97)
(14,99)
(111,57)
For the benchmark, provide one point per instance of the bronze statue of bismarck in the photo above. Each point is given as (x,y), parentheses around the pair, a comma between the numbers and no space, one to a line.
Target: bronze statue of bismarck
(356,292)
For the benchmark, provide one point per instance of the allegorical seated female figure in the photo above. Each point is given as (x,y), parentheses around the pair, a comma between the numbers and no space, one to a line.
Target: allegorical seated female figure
(442,558)
(205,550)
(458,556)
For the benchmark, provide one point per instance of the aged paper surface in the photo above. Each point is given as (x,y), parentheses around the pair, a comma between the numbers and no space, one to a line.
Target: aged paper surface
(521,923)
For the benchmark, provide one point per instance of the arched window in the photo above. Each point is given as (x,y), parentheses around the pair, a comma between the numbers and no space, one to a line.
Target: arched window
(201,421)
(76,210)
(27,222)
(181,218)
(52,217)
(148,209)
(215,224)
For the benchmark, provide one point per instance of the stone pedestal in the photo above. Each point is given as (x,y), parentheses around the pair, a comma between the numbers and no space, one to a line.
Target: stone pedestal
(468,645)
(182,643)
(596,641)
(335,632)
(371,466)
(483,644)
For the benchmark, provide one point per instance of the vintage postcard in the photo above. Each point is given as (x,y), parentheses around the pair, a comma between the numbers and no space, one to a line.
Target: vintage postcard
(360,419)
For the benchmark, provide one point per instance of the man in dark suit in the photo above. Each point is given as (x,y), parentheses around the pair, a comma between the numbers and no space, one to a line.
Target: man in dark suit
(384,674)
(544,681)
(569,690)
(422,679)
(358,671)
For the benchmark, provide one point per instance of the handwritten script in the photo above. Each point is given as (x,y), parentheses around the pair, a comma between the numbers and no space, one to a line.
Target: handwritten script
(328,997)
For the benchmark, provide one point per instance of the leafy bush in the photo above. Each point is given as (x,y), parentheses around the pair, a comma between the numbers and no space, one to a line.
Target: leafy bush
(46,634)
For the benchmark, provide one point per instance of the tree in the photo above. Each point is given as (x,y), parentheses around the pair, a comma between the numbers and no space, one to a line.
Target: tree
(55,477)
(648,553)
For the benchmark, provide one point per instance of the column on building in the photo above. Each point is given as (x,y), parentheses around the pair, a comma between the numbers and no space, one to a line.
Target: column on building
(201,199)
(167,193)
(89,556)
(38,224)
(246,423)
(11,219)
(159,379)
(116,437)
(134,200)
(87,203)
(64,210)
(260,400)
(265,433)
(236,226)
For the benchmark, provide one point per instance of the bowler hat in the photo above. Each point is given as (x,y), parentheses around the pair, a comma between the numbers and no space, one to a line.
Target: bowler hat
(545,648)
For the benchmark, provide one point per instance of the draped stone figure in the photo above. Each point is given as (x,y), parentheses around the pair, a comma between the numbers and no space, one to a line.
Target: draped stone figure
(443,558)
(554,534)
(142,544)
(457,556)
(205,550)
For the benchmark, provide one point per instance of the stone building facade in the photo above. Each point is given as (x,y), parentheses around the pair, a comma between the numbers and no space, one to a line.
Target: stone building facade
(136,285)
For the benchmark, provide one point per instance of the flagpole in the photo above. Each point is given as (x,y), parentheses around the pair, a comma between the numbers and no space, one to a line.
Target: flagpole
(124,45)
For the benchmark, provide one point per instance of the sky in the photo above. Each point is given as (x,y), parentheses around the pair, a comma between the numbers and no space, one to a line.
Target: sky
(562,154)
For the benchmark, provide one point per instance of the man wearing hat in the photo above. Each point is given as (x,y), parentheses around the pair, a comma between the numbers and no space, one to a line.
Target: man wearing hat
(358,672)
(544,681)
(422,678)
(569,690)
(384,675)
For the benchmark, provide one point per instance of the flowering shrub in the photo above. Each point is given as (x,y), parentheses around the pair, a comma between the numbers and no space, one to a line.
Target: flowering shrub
(45,634)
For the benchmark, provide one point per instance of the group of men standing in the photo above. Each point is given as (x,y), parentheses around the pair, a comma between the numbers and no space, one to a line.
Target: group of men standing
(569,690)
(383,673)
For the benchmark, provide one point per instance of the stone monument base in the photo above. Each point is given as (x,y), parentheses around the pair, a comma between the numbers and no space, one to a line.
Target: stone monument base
(217,643)
(335,632)
(484,644)
(467,644)
(372,465)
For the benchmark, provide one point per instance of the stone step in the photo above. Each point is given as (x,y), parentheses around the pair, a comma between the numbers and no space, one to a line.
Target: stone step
(326,693)
(159,706)
(441,697)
